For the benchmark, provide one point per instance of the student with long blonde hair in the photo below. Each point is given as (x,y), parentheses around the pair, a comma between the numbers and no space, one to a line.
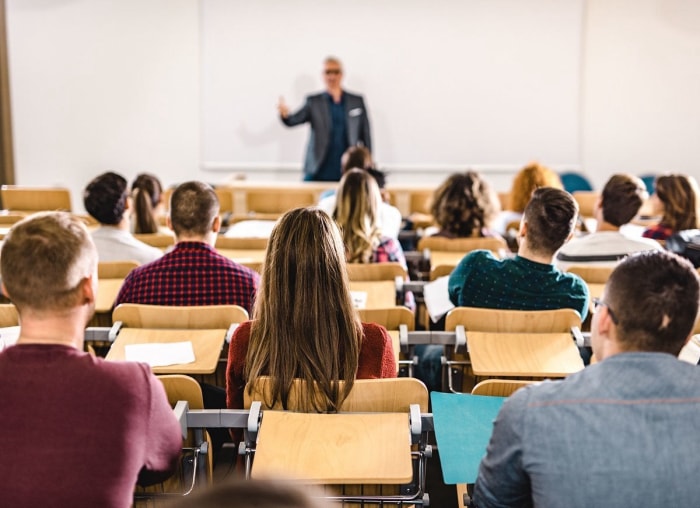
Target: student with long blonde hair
(304,324)
(356,213)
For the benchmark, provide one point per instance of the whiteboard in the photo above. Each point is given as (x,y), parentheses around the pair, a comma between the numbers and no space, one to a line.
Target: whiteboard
(447,83)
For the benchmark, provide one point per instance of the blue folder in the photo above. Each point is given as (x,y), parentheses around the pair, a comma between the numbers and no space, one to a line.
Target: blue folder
(463,425)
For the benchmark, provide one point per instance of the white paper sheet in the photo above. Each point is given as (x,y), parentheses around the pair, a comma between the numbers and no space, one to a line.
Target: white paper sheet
(160,355)
(359,299)
(437,299)
(691,352)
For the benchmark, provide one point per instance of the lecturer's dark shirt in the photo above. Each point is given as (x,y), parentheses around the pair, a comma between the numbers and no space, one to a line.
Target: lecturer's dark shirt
(329,171)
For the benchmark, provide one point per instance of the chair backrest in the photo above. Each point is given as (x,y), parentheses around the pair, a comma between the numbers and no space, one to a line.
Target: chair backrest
(223,242)
(115,269)
(367,395)
(389,317)
(440,271)
(411,200)
(278,200)
(586,200)
(181,387)
(574,181)
(202,317)
(592,274)
(35,199)
(375,271)
(507,321)
(461,245)
(499,387)
(158,240)
(8,315)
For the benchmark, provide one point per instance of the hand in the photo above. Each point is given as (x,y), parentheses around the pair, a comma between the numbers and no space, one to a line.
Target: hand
(283,108)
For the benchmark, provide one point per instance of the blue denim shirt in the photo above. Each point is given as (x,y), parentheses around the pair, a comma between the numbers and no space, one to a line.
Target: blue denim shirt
(620,433)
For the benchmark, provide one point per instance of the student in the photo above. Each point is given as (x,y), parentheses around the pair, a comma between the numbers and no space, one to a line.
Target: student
(464,206)
(304,324)
(147,195)
(193,273)
(529,281)
(621,432)
(106,198)
(622,197)
(75,430)
(677,199)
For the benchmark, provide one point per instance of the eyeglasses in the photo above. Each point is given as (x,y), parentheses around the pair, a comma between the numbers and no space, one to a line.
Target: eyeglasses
(332,71)
(597,302)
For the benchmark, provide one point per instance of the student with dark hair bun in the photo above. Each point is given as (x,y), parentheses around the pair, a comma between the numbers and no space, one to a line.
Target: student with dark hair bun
(529,281)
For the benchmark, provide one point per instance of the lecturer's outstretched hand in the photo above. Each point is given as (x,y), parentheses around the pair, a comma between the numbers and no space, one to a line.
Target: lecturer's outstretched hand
(282,108)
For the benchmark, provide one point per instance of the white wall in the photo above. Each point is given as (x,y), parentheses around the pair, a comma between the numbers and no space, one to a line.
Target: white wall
(114,85)
(641,82)
(102,85)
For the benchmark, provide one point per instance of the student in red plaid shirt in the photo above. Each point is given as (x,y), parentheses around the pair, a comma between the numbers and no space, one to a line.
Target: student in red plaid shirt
(193,273)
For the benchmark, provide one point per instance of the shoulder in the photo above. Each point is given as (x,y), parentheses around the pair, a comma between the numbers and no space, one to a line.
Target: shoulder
(373,331)
(353,96)
(480,257)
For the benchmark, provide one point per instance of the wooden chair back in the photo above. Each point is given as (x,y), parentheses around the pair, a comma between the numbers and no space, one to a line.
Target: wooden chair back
(375,271)
(411,200)
(592,274)
(115,269)
(204,317)
(257,244)
(278,201)
(504,200)
(586,202)
(8,315)
(158,240)
(513,321)
(390,317)
(441,271)
(499,387)
(394,395)
(461,245)
(181,387)
(35,199)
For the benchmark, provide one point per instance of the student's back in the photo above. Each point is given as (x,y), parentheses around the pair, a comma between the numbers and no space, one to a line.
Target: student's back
(77,430)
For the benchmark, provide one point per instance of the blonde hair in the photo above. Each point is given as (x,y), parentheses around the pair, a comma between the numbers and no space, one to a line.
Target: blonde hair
(305,325)
(531,177)
(45,258)
(356,210)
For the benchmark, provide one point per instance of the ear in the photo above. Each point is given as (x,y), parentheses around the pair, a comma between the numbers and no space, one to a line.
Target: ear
(3,289)
(216,225)
(522,231)
(128,204)
(169,222)
(89,289)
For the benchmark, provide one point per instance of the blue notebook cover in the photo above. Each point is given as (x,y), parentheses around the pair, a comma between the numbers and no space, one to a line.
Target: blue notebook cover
(463,425)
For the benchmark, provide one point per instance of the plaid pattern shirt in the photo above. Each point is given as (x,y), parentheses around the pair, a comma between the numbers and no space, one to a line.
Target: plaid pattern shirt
(193,273)
(658,232)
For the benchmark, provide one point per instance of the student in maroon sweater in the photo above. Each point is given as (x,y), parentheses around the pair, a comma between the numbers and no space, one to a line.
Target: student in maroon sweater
(76,430)
(304,325)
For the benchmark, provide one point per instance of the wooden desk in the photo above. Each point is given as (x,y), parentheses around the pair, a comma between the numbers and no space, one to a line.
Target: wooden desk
(206,344)
(345,448)
(243,255)
(440,257)
(523,354)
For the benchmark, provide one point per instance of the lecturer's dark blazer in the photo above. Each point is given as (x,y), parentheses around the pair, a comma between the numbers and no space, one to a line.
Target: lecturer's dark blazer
(316,111)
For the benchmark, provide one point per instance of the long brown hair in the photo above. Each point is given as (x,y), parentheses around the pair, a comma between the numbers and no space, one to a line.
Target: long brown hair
(146,192)
(304,324)
(531,177)
(356,210)
(679,195)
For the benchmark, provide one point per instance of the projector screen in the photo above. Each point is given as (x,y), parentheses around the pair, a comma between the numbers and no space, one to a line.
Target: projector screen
(447,83)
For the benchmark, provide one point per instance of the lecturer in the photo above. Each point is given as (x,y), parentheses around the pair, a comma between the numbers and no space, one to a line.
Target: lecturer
(338,120)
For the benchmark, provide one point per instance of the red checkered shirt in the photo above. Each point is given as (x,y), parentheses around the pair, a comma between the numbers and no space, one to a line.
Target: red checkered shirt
(193,273)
